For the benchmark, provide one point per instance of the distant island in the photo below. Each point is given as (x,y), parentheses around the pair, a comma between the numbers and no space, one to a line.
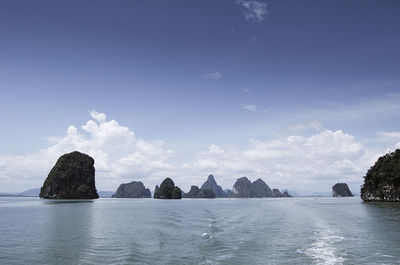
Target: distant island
(212,185)
(341,190)
(134,189)
(167,190)
(244,188)
(73,177)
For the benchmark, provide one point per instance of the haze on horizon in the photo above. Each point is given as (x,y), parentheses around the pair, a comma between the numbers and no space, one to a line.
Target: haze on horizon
(303,94)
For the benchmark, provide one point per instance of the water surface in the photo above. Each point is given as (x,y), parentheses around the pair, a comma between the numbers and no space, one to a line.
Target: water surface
(196,231)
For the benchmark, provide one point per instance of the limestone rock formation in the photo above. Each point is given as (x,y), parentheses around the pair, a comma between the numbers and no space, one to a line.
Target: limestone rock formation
(382,181)
(72,177)
(212,185)
(341,190)
(134,189)
(276,193)
(260,189)
(195,192)
(285,194)
(167,190)
(242,188)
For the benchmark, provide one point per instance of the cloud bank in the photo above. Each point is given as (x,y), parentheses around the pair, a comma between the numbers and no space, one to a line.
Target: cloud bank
(304,164)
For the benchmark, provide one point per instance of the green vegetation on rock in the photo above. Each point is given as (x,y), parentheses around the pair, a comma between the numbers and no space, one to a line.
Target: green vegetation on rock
(72,177)
(382,181)
(167,190)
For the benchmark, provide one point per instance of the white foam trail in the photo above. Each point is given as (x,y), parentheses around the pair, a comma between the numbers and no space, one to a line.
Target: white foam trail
(322,249)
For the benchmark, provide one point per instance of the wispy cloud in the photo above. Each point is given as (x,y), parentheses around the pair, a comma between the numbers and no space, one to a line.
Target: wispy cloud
(214,76)
(252,108)
(253,10)
(246,90)
(315,125)
(389,136)
(249,107)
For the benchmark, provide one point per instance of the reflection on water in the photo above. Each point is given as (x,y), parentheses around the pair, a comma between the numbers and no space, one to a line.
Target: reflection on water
(52,201)
(68,229)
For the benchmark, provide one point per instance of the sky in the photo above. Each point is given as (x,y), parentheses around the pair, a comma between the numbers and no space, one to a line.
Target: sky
(303,94)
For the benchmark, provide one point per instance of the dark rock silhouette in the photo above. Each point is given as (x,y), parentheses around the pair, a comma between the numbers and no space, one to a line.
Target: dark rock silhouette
(212,185)
(134,189)
(341,190)
(285,194)
(260,189)
(72,177)
(242,188)
(382,181)
(167,190)
(276,193)
(195,192)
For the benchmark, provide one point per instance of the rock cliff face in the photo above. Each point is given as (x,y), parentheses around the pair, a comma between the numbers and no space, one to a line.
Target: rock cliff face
(212,185)
(341,190)
(244,188)
(72,177)
(276,193)
(134,189)
(259,189)
(285,194)
(167,190)
(195,192)
(382,181)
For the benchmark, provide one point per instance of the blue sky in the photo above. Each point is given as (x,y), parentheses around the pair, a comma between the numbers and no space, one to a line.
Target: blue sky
(200,74)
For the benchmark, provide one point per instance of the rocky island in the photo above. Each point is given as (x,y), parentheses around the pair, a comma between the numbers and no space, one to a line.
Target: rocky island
(195,192)
(382,181)
(276,193)
(134,189)
(167,190)
(341,190)
(244,188)
(72,177)
(212,185)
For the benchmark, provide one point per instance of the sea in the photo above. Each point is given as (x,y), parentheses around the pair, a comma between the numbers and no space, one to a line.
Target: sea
(314,230)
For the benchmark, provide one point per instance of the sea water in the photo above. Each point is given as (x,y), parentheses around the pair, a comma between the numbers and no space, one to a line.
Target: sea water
(199,231)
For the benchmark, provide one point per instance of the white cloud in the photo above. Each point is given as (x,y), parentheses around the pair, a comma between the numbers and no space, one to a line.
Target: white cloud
(100,117)
(253,10)
(246,90)
(251,107)
(215,149)
(214,76)
(119,156)
(297,162)
(304,164)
